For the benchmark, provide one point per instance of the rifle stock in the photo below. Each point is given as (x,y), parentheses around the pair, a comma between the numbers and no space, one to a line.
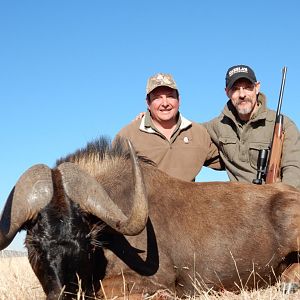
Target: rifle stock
(273,168)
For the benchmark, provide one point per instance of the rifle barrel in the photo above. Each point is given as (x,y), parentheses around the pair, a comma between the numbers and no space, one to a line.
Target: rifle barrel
(284,70)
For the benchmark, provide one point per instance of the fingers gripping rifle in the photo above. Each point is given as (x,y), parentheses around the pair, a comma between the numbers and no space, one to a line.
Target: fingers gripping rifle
(271,170)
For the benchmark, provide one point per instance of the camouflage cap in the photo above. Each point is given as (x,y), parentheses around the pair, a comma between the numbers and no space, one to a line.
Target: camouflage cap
(160,79)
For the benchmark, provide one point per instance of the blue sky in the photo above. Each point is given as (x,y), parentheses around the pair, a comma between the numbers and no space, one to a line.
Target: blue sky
(71,71)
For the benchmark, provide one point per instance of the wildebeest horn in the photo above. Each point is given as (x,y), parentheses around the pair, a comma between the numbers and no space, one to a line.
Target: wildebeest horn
(91,196)
(32,192)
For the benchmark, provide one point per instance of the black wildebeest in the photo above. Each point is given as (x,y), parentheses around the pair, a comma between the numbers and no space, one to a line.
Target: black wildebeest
(104,214)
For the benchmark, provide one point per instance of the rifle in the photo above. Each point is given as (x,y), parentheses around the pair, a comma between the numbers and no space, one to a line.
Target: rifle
(270,170)
(273,169)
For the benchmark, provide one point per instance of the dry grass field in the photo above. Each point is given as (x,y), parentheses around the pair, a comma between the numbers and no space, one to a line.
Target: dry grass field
(18,282)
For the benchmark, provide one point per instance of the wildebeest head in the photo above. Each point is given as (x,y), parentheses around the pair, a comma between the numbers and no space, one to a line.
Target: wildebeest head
(64,208)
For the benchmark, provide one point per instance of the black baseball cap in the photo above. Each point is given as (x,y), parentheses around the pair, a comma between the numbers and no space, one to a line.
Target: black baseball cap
(239,71)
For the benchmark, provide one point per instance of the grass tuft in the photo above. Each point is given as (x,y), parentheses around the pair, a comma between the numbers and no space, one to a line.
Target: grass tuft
(18,282)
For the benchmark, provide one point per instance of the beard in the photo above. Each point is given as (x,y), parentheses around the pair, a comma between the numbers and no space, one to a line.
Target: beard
(244,110)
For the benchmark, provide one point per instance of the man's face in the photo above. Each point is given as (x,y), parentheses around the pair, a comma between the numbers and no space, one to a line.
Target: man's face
(243,95)
(163,103)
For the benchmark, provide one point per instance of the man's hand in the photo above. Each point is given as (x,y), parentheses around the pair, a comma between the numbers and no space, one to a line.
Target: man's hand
(139,116)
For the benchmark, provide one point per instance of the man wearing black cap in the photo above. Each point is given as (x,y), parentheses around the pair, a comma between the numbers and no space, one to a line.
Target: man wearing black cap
(246,125)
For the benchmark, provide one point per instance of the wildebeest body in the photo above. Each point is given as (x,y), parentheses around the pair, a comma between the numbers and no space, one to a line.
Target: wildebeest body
(218,240)
(222,235)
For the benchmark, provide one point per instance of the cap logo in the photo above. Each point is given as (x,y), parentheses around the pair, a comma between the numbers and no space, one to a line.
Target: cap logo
(238,70)
(160,79)
(163,79)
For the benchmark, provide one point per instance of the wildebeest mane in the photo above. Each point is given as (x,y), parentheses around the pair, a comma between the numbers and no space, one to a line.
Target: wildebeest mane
(101,149)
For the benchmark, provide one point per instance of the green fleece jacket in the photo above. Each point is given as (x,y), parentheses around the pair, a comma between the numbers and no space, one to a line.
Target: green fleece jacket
(240,142)
(183,156)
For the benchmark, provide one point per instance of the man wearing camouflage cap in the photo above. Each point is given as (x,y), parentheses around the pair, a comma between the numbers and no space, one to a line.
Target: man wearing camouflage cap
(246,125)
(178,146)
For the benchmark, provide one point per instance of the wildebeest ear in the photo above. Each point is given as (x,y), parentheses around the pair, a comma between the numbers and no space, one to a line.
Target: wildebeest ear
(32,192)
